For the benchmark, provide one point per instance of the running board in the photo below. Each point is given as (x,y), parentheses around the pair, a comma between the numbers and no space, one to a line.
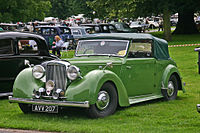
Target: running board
(6,94)
(143,98)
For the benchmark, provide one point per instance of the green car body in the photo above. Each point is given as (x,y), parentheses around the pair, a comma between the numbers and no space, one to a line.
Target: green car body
(128,78)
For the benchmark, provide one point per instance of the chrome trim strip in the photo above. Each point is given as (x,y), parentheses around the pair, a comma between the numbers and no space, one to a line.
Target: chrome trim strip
(6,94)
(49,102)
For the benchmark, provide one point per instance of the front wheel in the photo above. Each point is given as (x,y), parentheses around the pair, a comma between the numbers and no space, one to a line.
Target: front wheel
(106,102)
(170,93)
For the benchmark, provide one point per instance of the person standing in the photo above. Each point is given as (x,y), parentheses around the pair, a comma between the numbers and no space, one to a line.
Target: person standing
(58,45)
(160,22)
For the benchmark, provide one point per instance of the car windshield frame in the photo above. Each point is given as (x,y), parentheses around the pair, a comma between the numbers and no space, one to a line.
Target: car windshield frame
(100,40)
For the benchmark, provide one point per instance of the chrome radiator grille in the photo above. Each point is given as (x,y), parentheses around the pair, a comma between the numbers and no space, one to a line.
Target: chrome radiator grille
(57,73)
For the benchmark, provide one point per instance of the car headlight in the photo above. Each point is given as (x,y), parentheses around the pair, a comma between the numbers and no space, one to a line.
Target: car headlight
(50,85)
(73,72)
(38,71)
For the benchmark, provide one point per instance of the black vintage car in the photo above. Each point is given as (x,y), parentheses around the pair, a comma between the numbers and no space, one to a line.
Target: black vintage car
(102,28)
(16,49)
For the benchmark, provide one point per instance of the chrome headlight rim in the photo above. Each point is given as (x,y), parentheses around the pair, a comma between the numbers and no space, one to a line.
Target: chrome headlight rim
(35,70)
(71,75)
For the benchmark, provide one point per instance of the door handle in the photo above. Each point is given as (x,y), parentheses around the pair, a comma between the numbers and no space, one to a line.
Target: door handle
(128,67)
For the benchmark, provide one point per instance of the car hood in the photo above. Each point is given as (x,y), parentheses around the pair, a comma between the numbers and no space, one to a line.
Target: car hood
(87,64)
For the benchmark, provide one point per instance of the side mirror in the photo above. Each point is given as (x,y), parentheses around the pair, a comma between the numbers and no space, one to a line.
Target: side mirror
(27,63)
(109,64)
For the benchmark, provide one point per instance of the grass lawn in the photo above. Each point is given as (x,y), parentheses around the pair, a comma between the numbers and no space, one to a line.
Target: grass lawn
(180,39)
(154,116)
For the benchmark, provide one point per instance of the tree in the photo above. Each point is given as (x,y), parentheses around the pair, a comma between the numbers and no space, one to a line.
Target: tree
(23,10)
(148,7)
(66,8)
(113,9)
(186,10)
(60,9)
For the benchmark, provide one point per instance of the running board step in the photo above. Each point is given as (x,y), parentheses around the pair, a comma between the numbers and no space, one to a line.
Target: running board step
(142,99)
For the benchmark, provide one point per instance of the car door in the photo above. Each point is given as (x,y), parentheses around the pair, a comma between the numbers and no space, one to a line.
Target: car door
(8,65)
(139,68)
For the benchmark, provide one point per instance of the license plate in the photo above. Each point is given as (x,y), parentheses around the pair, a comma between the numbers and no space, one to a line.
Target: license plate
(45,108)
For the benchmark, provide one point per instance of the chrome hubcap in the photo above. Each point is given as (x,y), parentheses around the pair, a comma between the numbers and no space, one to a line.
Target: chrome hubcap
(170,89)
(102,100)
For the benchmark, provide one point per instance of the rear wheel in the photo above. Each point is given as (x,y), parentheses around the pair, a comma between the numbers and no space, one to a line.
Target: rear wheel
(172,89)
(106,103)
(26,108)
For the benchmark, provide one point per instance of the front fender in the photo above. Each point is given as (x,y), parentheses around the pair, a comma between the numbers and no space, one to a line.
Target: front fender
(169,70)
(25,83)
(87,88)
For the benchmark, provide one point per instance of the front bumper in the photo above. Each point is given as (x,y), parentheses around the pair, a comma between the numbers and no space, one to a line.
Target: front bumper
(49,102)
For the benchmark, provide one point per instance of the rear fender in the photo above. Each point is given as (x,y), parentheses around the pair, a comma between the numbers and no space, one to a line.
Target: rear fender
(170,70)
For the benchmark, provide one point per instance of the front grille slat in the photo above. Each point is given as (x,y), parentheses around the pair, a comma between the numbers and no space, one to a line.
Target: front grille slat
(57,73)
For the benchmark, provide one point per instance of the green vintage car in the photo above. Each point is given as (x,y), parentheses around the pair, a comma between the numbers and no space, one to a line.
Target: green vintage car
(108,70)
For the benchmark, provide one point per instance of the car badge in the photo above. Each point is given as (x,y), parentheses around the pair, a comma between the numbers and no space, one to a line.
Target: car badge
(48,91)
(102,43)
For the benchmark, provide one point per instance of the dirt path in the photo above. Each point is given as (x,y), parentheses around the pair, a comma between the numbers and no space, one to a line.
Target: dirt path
(2,130)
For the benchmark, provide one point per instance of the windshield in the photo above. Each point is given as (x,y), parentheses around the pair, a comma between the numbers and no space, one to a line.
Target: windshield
(102,47)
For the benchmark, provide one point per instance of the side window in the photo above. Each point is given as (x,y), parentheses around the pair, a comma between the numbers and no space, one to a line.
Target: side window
(96,29)
(46,31)
(6,46)
(76,32)
(117,26)
(66,31)
(111,27)
(28,47)
(90,31)
(53,32)
(105,28)
(140,50)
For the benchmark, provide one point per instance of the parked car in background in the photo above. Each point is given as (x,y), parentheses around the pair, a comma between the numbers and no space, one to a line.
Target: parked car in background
(49,33)
(139,26)
(153,22)
(9,27)
(80,31)
(124,28)
(15,50)
(102,28)
(109,70)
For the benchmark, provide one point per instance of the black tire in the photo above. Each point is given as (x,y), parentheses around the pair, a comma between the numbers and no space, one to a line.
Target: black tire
(169,93)
(26,108)
(95,112)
